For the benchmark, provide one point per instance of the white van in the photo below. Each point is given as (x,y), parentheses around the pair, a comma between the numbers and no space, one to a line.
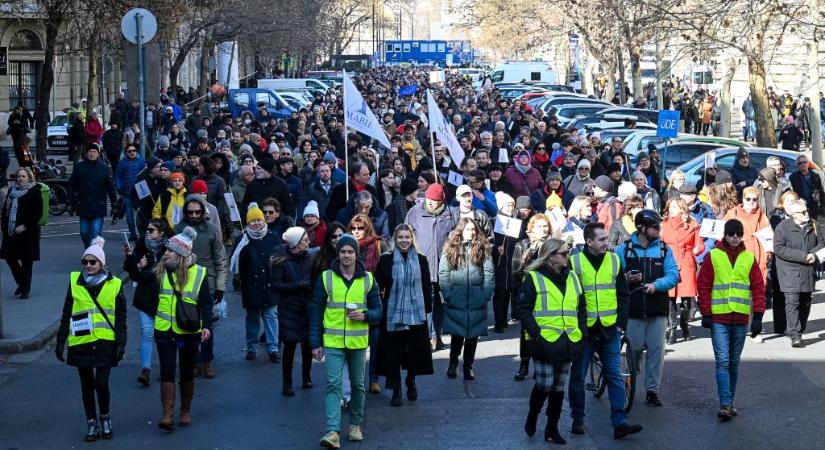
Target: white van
(516,71)
(292,83)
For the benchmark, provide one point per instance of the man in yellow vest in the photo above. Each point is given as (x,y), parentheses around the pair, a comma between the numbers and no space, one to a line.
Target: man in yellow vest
(730,288)
(345,302)
(607,297)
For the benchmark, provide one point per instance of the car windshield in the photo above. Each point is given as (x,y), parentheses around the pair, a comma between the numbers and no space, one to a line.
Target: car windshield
(59,121)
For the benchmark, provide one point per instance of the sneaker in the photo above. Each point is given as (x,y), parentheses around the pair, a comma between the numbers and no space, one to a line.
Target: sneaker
(274,357)
(93,430)
(625,429)
(250,356)
(355,433)
(375,388)
(106,427)
(652,399)
(733,411)
(796,342)
(757,339)
(725,413)
(331,440)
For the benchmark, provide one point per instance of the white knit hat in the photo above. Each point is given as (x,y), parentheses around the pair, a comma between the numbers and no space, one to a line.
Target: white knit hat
(503,199)
(96,250)
(311,209)
(293,235)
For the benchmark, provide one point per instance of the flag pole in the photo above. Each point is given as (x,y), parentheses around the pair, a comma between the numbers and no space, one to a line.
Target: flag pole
(346,145)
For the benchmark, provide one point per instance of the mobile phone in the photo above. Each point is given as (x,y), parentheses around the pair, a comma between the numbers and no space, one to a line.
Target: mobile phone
(126,241)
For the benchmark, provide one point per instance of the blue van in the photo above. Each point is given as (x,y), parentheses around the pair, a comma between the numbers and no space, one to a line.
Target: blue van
(248,99)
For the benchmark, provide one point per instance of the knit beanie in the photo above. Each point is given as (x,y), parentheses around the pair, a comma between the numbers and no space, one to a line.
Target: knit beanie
(734,226)
(198,187)
(253,212)
(152,162)
(163,141)
(182,243)
(348,239)
(604,183)
(408,186)
(523,202)
(176,176)
(96,250)
(553,201)
(267,164)
(583,163)
(434,192)
(312,209)
(293,235)
(503,198)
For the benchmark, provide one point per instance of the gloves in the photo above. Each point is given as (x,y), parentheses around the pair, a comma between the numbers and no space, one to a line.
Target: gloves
(58,351)
(121,352)
(218,295)
(756,325)
(707,321)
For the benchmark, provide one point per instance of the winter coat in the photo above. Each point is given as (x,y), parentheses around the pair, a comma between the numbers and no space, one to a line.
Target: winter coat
(170,201)
(619,232)
(522,183)
(26,245)
(791,244)
(700,211)
(705,288)
(215,187)
(815,189)
(431,232)
(316,192)
(257,291)
(753,223)
(576,186)
(563,349)
(315,234)
(127,172)
(93,130)
(338,199)
(791,137)
(292,282)
(683,238)
(145,297)
(747,174)
(260,189)
(397,211)
(209,249)
(113,143)
(503,262)
(466,290)
(609,210)
(100,353)
(378,216)
(90,183)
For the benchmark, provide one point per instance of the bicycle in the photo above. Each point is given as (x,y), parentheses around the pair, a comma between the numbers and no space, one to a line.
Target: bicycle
(597,383)
(53,175)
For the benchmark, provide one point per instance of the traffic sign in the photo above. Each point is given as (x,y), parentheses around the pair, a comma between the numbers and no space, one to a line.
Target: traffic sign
(668,125)
(129,26)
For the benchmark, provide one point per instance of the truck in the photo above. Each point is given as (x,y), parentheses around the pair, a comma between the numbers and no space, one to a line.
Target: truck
(516,71)
(248,99)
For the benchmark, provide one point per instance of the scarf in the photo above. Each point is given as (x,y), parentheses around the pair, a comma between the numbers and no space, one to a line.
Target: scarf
(153,245)
(13,196)
(522,169)
(358,186)
(94,280)
(405,305)
(541,159)
(257,235)
(370,252)
(435,212)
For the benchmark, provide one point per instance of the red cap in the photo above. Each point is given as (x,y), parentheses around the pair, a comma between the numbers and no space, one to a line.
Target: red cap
(199,187)
(435,192)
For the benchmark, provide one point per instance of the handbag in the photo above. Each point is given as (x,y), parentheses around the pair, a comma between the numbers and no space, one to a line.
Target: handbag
(187,315)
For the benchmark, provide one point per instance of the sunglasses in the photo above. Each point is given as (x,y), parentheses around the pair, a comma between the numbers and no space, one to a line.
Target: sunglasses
(151,230)
(735,234)
(338,235)
(804,213)
(751,199)
(190,212)
(269,212)
(131,151)
(88,262)
(357,228)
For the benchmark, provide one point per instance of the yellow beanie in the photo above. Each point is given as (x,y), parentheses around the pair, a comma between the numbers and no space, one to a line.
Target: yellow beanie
(552,201)
(253,212)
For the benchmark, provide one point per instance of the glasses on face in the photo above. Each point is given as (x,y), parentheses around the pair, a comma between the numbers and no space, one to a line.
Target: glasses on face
(88,262)
(268,212)
(151,230)
(357,228)
(804,213)
(735,234)
(751,199)
(802,163)
(131,151)
(193,212)
(713,169)
(541,148)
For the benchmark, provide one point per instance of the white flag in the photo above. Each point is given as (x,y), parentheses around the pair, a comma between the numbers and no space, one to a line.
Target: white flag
(358,116)
(443,131)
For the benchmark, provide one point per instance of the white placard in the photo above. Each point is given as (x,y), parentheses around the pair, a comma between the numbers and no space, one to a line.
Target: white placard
(820,255)
(714,229)
(765,236)
(456,179)
(557,218)
(503,157)
(437,76)
(710,159)
(234,214)
(177,214)
(443,130)
(508,226)
(142,190)
(84,324)
(578,236)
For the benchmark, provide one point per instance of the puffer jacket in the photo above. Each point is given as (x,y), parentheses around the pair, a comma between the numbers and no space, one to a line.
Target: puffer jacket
(208,247)
(292,282)
(466,290)
(254,269)
(90,183)
(127,172)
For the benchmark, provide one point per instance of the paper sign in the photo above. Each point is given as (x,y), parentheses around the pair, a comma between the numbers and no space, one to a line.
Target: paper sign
(81,325)
(503,157)
(714,229)
(578,237)
(126,240)
(765,236)
(557,218)
(820,255)
(710,159)
(456,179)
(177,214)
(437,76)
(142,190)
(508,226)
(234,214)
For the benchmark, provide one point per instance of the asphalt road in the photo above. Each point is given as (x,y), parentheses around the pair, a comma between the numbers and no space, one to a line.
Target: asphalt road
(780,397)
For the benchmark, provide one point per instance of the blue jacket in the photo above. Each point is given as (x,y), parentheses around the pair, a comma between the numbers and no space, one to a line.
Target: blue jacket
(488,205)
(671,277)
(127,171)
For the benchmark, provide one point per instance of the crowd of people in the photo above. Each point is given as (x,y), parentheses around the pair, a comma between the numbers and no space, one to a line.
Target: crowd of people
(371,269)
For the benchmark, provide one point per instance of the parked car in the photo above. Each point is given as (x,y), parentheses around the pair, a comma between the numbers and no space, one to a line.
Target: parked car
(714,139)
(651,115)
(58,134)
(726,157)
(567,112)
(602,120)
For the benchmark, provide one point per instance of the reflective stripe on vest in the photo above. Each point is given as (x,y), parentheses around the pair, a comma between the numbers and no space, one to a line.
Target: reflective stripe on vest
(731,284)
(599,287)
(557,314)
(83,307)
(167,301)
(339,330)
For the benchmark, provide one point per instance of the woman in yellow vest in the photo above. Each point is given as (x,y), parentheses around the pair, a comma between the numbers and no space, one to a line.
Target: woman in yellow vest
(184,294)
(553,312)
(94,327)
(345,302)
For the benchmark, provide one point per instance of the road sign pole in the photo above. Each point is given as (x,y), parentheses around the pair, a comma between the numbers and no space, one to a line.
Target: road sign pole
(142,116)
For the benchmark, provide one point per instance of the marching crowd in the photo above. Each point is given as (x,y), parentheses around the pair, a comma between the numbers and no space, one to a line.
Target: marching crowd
(368,257)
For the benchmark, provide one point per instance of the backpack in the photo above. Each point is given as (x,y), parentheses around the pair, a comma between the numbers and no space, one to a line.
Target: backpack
(45,192)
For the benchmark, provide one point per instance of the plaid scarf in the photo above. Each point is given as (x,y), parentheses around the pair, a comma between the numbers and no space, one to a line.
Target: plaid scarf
(405,305)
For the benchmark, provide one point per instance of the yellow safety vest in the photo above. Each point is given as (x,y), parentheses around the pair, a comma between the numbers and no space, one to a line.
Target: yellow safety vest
(731,284)
(87,322)
(339,330)
(167,301)
(557,314)
(599,287)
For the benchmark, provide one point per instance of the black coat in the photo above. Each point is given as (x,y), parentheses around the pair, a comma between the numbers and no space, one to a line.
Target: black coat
(791,244)
(315,192)
(147,290)
(90,183)
(503,263)
(100,353)
(292,281)
(261,189)
(253,268)
(408,349)
(816,191)
(338,198)
(26,245)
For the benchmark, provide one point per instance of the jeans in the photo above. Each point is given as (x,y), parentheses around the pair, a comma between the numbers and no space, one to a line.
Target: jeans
(130,215)
(269,314)
(649,334)
(373,354)
(336,360)
(749,129)
(90,228)
(610,355)
(147,332)
(728,342)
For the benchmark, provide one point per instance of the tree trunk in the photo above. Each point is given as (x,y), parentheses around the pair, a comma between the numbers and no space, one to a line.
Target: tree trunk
(44,90)
(811,92)
(636,70)
(610,82)
(622,90)
(203,79)
(587,76)
(91,82)
(765,130)
(660,99)
(725,95)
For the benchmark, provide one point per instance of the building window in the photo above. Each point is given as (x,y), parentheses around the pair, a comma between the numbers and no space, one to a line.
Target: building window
(441,48)
(389,48)
(415,44)
(397,48)
(407,47)
(25,40)
(23,84)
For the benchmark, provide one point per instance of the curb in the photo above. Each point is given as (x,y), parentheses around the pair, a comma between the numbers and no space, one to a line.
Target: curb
(30,345)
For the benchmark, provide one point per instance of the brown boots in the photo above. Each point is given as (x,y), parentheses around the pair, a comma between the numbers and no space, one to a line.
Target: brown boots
(167,399)
(187,391)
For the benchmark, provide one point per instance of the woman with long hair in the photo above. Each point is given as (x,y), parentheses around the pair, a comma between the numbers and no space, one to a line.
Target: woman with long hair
(465,278)
(538,231)
(406,293)
(722,198)
(327,253)
(21,230)
(677,179)
(370,243)
(620,230)
(579,214)
(681,233)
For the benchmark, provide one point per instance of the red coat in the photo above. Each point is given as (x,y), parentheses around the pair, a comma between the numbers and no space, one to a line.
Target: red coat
(523,183)
(705,286)
(93,130)
(683,238)
(316,235)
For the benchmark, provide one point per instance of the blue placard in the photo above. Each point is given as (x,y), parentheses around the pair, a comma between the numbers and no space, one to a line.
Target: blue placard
(668,125)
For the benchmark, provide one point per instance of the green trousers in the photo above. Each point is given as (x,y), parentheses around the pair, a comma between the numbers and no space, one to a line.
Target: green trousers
(356,362)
